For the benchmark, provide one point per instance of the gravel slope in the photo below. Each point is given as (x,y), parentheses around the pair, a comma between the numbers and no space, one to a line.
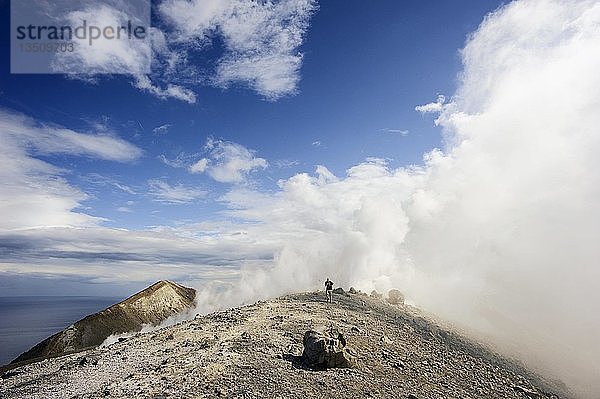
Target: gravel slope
(254,352)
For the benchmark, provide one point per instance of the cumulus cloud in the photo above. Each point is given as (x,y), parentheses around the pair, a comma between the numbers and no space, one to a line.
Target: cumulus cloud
(272,75)
(434,107)
(162,191)
(34,192)
(228,162)
(261,39)
(120,54)
(260,45)
(199,166)
(194,19)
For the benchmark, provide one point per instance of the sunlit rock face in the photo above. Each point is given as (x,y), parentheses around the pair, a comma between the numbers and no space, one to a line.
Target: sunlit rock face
(150,306)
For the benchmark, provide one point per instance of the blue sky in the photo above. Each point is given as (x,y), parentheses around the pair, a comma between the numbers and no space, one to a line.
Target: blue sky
(360,71)
(363,71)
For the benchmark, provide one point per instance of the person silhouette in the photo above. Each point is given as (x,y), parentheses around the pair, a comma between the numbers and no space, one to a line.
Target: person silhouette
(329,290)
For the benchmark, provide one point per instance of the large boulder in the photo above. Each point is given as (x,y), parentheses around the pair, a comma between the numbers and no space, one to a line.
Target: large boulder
(395,297)
(376,295)
(326,350)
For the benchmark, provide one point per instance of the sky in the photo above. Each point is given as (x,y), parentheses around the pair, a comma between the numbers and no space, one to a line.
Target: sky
(447,149)
(352,97)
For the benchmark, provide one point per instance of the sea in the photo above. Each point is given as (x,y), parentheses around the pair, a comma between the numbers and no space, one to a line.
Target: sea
(25,321)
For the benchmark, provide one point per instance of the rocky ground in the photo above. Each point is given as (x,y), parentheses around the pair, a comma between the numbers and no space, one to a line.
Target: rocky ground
(255,352)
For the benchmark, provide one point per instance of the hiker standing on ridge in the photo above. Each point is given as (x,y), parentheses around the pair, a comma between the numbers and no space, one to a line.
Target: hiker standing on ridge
(329,289)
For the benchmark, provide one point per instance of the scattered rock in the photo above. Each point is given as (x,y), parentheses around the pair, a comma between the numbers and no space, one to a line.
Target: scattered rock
(9,374)
(386,340)
(385,354)
(377,295)
(355,330)
(339,291)
(395,297)
(203,345)
(398,365)
(326,350)
(528,392)
(246,335)
(352,290)
(169,337)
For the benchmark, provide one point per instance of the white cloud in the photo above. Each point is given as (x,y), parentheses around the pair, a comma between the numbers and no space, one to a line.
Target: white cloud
(34,193)
(286,163)
(162,129)
(111,256)
(316,143)
(100,180)
(178,92)
(261,42)
(228,162)
(200,166)
(182,160)
(162,191)
(261,39)
(116,55)
(401,132)
(435,107)
(124,209)
(273,76)
(195,19)
(47,139)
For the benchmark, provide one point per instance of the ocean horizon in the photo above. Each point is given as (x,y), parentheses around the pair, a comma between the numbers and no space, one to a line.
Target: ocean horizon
(28,320)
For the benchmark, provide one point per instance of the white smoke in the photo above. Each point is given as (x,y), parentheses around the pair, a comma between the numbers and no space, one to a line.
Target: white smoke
(499,231)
